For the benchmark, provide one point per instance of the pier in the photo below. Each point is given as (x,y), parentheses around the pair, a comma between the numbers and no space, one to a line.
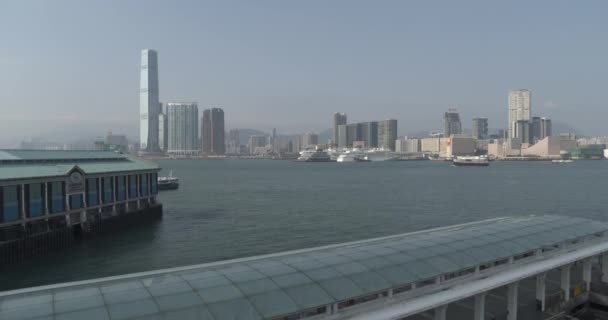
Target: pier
(489,269)
(50,198)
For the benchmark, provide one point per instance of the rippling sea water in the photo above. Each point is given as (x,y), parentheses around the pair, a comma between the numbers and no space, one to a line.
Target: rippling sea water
(235,208)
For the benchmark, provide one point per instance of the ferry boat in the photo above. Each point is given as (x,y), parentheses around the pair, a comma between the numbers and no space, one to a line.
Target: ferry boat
(562,161)
(317,155)
(168,183)
(479,161)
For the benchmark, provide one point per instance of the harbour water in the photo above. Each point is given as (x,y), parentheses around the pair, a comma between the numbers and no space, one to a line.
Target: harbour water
(233,208)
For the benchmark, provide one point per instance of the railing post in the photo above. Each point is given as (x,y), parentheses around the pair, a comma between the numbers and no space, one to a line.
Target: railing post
(440,312)
(480,306)
(512,301)
(565,281)
(587,273)
(541,290)
(604,263)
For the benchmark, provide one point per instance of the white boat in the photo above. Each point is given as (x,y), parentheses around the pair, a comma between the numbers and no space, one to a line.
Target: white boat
(479,161)
(333,153)
(168,183)
(354,155)
(562,161)
(380,155)
(317,155)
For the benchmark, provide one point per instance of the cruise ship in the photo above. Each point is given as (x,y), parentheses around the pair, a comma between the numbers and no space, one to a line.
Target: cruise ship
(354,155)
(380,155)
(317,155)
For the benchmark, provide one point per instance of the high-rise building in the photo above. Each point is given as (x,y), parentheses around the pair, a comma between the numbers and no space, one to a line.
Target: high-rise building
(149,105)
(405,145)
(545,128)
(182,126)
(257,144)
(274,144)
(310,140)
(342,136)
(206,131)
(212,131)
(451,123)
(369,134)
(522,131)
(219,139)
(387,134)
(480,128)
(163,132)
(234,145)
(339,119)
(535,132)
(520,108)
(353,133)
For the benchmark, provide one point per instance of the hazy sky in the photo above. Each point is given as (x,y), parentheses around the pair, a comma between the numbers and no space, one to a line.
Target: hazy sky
(72,67)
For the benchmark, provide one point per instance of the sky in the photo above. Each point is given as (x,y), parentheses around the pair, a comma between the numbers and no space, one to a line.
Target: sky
(71,68)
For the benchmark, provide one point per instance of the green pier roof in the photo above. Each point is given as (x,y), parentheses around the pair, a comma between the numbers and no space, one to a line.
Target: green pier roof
(25,164)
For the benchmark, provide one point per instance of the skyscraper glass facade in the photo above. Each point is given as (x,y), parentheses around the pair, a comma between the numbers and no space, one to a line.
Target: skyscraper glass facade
(149,105)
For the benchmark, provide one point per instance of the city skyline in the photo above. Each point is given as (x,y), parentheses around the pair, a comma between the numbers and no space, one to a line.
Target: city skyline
(413,80)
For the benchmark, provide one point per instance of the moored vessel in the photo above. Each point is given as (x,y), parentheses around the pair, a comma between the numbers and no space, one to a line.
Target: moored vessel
(380,155)
(317,155)
(168,183)
(354,155)
(562,161)
(473,161)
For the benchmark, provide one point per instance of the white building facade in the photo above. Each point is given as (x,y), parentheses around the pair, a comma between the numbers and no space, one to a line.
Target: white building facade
(520,108)
(182,127)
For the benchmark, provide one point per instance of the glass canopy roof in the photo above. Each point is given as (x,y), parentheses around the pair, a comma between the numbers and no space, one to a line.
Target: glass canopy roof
(275,285)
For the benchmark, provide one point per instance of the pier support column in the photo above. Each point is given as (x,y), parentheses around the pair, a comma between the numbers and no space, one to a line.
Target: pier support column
(440,312)
(604,263)
(512,301)
(480,306)
(565,281)
(587,273)
(21,193)
(46,199)
(541,290)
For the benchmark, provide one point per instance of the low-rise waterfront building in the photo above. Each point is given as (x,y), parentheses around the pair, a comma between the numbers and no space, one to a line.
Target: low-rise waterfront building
(589,152)
(549,147)
(460,146)
(408,145)
(430,145)
(46,195)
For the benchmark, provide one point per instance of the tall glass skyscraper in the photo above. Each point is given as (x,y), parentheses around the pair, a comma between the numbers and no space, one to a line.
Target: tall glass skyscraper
(339,118)
(149,105)
(212,131)
(451,123)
